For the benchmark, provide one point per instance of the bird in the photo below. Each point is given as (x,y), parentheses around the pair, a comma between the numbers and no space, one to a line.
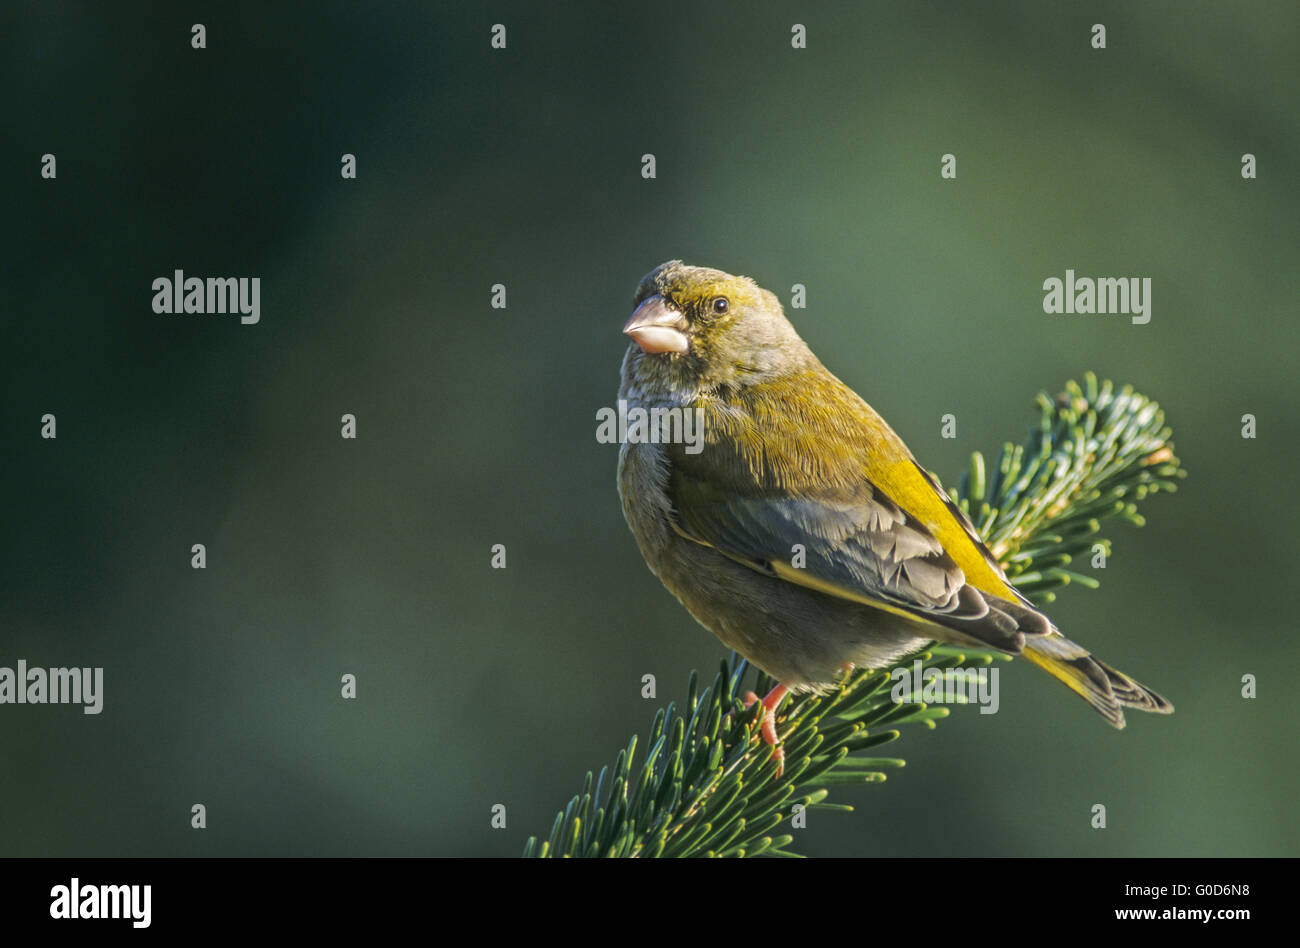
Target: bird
(802,531)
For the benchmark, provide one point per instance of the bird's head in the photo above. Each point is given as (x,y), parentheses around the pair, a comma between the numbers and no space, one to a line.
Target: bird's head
(695,328)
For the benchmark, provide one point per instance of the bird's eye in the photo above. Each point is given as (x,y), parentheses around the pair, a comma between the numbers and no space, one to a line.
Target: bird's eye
(720,304)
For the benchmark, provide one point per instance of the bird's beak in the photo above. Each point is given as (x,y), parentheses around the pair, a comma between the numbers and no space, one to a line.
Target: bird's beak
(657,327)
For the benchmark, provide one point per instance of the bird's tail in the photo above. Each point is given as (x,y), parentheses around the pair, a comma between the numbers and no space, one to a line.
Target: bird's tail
(1109,691)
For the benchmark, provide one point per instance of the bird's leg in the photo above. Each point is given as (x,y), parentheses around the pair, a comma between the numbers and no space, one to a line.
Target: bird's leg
(769,721)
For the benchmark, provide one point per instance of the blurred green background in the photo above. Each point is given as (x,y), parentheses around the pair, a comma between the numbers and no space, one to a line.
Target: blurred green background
(477,426)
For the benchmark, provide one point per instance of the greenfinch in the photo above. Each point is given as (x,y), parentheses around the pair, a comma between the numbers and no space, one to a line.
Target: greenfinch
(802,532)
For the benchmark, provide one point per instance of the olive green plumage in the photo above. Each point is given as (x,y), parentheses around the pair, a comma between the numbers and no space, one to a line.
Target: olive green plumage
(804,534)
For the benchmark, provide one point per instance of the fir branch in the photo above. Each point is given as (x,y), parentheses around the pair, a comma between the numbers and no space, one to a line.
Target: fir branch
(708,785)
(1095,453)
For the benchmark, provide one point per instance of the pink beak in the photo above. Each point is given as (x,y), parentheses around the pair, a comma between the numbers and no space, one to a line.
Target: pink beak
(657,327)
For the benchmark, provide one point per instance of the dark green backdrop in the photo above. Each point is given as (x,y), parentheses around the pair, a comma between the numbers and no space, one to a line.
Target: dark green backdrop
(477,426)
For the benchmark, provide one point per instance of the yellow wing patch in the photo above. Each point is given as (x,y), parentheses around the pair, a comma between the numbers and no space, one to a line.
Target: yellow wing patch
(905,483)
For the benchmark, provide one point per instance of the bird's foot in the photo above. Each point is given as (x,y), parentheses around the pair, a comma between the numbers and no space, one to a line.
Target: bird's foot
(769,722)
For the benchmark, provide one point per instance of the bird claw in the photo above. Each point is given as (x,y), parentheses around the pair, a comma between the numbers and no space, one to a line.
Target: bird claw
(768,728)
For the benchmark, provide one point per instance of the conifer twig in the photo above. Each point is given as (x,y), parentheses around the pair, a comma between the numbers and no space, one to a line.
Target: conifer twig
(707,785)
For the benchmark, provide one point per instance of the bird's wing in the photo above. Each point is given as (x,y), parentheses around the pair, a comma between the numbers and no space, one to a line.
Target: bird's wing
(754,495)
(855,544)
